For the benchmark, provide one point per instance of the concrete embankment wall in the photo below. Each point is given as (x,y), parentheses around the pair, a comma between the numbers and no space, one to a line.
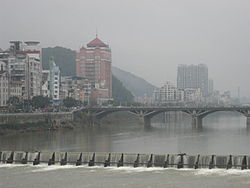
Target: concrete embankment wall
(127,159)
(53,118)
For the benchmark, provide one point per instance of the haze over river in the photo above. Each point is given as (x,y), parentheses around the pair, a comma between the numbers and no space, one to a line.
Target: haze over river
(223,133)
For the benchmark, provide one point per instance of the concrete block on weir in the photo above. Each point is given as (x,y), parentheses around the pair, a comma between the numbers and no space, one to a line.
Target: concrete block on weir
(64,159)
(25,159)
(137,161)
(120,162)
(107,161)
(159,160)
(79,161)
(37,159)
(197,160)
(10,159)
(52,160)
(244,163)
(150,161)
(229,162)
(92,161)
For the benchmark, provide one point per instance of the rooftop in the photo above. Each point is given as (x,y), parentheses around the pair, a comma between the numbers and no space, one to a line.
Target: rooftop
(96,43)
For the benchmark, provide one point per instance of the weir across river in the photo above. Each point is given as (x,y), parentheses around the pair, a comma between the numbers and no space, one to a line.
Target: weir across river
(146,113)
(126,159)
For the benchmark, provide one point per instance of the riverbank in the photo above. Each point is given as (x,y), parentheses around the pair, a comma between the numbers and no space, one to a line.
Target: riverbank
(8,129)
(80,120)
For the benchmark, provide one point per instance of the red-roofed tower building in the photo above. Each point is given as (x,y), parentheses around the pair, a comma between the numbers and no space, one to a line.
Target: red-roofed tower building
(94,63)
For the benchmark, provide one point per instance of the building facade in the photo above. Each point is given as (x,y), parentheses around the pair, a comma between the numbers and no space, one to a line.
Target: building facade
(210,87)
(193,77)
(94,63)
(77,88)
(169,93)
(45,83)
(54,80)
(24,70)
(4,84)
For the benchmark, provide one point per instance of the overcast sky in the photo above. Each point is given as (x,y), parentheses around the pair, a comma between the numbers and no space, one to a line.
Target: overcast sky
(148,37)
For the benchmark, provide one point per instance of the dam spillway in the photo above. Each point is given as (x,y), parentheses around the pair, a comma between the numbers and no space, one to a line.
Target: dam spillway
(126,159)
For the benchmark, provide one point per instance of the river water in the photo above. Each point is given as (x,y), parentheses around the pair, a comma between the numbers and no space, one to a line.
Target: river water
(223,133)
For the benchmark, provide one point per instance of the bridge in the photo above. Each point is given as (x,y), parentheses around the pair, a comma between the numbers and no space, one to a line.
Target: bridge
(146,113)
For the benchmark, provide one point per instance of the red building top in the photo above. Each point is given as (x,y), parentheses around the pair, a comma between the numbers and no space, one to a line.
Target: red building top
(96,43)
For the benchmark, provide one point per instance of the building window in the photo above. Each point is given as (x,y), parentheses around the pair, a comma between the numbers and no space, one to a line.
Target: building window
(97,58)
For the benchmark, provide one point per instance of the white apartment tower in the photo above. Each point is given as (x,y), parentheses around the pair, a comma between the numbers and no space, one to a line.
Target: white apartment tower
(54,80)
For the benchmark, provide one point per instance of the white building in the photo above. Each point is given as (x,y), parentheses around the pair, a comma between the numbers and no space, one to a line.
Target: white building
(54,80)
(25,69)
(34,68)
(168,93)
(45,83)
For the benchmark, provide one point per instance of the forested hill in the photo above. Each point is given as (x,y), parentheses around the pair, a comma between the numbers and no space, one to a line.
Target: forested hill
(138,86)
(64,58)
(121,93)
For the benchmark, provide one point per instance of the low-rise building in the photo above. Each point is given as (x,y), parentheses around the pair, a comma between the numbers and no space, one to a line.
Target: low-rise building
(76,87)
(169,93)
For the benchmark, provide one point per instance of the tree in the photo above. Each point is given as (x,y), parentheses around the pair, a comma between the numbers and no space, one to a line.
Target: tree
(13,101)
(40,101)
(70,102)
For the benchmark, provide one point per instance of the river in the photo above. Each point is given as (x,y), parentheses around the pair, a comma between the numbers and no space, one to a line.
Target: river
(223,133)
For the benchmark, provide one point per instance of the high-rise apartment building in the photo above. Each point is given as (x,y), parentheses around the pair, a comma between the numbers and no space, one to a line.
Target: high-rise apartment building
(4,84)
(94,63)
(54,79)
(51,81)
(33,68)
(210,86)
(193,77)
(24,70)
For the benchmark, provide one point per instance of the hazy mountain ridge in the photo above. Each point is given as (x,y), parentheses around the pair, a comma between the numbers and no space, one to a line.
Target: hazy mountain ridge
(137,85)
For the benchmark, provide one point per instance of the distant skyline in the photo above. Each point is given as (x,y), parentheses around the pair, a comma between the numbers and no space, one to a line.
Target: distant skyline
(148,37)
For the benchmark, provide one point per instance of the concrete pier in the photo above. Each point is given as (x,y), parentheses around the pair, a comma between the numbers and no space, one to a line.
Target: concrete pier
(248,122)
(147,122)
(196,122)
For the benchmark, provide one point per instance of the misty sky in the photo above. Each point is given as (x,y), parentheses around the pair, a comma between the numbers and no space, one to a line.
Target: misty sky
(148,37)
